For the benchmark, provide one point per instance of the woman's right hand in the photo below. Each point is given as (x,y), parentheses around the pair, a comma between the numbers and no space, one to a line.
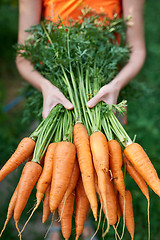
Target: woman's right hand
(51,94)
(51,97)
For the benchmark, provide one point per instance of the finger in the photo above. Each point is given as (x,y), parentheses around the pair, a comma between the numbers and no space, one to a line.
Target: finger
(45,113)
(67,104)
(96,99)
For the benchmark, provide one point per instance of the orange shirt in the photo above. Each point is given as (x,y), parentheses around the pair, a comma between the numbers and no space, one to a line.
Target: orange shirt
(67,9)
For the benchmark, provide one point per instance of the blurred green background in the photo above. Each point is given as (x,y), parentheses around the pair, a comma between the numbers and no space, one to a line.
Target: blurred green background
(143,121)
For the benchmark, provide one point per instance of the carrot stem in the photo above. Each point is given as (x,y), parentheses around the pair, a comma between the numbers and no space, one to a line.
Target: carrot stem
(46,134)
(107,129)
(119,130)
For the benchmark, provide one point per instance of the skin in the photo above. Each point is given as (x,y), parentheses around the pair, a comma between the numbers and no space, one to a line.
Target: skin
(135,36)
(108,93)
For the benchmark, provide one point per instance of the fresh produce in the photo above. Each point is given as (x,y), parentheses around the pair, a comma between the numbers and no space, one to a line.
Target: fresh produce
(81,141)
(23,152)
(81,207)
(30,174)
(129,217)
(77,153)
(46,208)
(116,163)
(63,162)
(100,155)
(66,219)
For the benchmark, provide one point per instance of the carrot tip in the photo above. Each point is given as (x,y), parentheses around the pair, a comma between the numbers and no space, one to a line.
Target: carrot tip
(5,224)
(77,237)
(29,217)
(19,233)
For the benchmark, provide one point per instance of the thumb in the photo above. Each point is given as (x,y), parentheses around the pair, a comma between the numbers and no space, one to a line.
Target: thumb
(92,102)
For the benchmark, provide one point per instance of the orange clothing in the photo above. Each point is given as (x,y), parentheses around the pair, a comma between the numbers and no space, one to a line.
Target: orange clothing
(67,9)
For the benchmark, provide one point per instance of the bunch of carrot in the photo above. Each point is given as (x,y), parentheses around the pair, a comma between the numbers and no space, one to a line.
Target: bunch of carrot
(72,165)
(80,158)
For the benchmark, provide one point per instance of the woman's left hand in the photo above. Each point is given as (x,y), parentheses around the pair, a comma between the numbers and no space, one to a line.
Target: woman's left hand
(108,94)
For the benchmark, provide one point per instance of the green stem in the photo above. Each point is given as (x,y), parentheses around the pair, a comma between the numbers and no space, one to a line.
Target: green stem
(46,134)
(70,91)
(50,40)
(119,130)
(58,134)
(83,100)
(107,128)
(67,126)
(74,82)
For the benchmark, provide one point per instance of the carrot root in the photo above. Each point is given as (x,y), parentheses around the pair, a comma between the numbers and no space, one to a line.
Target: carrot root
(50,225)
(19,232)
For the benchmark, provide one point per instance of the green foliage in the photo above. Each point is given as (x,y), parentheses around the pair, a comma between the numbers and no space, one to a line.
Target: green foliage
(143,120)
(91,45)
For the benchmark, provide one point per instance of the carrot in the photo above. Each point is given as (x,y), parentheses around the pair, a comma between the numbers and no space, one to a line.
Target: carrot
(23,151)
(74,178)
(81,141)
(129,217)
(141,162)
(66,220)
(115,161)
(46,208)
(81,208)
(29,177)
(100,153)
(137,178)
(46,176)
(117,202)
(141,183)
(73,181)
(111,201)
(10,209)
(63,162)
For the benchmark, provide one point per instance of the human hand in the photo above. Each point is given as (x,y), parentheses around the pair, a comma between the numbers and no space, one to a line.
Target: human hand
(51,97)
(108,94)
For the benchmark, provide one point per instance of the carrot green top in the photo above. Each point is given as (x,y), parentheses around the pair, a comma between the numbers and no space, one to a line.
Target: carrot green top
(67,9)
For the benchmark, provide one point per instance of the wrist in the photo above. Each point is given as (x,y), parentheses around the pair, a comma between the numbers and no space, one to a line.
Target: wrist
(115,85)
(45,85)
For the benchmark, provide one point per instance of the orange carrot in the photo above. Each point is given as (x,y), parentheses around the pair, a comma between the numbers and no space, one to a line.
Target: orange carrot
(46,176)
(100,153)
(129,217)
(74,178)
(29,177)
(23,151)
(63,162)
(137,178)
(81,141)
(117,202)
(73,181)
(81,208)
(66,220)
(46,208)
(115,161)
(10,208)
(141,162)
(141,183)
(111,202)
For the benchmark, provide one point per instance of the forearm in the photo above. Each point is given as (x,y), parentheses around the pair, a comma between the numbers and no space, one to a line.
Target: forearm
(32,76)
(29,14)
(130,70)
(135,38)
